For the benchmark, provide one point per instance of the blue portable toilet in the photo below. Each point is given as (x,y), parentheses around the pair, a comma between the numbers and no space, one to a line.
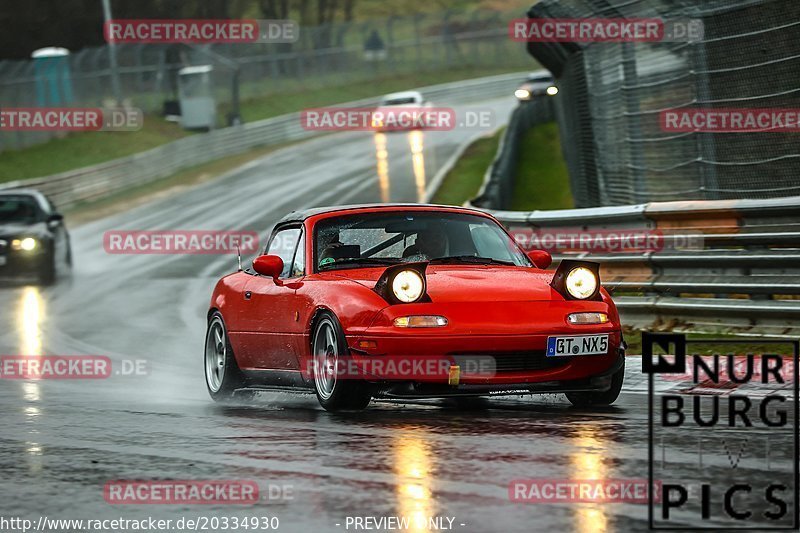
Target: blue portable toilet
(53,77)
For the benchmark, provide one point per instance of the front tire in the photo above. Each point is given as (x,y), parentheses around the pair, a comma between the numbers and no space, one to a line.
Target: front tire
(328,348)
(223,376)
(599,399)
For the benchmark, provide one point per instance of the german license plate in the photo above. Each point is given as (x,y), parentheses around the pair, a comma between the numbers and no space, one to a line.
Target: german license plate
(579,345)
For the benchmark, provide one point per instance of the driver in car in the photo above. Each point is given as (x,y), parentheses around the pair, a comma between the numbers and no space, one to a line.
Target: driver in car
(430,244)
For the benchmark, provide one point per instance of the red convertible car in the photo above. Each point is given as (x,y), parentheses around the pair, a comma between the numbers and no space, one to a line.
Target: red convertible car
(410,301)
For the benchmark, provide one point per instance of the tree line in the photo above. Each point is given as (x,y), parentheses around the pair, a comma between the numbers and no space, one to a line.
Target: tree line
(75,24)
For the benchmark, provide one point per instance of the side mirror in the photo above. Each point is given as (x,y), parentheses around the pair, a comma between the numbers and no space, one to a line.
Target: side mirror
(540,258)
(55,219)
(268,265)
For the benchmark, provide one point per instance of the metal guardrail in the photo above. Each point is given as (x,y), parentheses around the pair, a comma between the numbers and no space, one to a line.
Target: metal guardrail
(744,274)
(68,189)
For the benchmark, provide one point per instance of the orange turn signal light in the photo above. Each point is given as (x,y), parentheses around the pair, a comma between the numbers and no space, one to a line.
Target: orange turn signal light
(421,321)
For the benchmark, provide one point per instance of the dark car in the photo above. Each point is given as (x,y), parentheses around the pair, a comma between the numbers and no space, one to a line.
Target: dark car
(34,242)
(537,84)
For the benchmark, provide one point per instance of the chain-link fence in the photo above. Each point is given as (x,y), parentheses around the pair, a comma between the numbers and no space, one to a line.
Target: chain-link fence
(325,56)
(613,97)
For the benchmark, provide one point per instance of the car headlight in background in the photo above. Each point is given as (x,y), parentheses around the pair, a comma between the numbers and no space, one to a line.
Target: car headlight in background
(587,318)
(552,90)
(522,94)
(27,244)
(408,286)
(581,283)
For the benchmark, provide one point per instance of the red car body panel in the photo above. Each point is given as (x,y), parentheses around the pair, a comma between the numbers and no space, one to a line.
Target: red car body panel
(492,310)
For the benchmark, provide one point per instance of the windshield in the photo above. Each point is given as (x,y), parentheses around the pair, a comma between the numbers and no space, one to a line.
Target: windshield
(400,101)
(541,79)
(392,238)
(21,209)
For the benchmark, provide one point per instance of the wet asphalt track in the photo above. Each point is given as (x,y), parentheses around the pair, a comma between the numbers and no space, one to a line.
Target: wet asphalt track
(61,441)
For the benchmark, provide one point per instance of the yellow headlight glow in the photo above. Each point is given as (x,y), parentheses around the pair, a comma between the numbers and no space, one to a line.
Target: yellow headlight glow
(581,283)
(552,90)
(27,244)
(522,94)
(407,286)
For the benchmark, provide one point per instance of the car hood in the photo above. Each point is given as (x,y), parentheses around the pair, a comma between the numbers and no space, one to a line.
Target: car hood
(472,283)
(16,229)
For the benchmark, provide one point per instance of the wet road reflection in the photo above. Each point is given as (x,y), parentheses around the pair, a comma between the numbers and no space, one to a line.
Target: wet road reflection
(382,156)
(413,468)
(401,152)
(587,463)
(29,317)
(416,142)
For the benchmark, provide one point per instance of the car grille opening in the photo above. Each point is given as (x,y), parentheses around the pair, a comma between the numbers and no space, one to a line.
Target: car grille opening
(510,361)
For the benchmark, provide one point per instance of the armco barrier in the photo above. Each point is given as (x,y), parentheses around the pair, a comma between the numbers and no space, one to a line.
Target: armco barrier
(67,189)
(742,271)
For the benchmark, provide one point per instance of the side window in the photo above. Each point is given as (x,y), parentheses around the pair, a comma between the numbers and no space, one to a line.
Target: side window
(299,265)
(283,245)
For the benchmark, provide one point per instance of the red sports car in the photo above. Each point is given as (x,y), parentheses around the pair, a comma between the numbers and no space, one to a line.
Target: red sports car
(410,301)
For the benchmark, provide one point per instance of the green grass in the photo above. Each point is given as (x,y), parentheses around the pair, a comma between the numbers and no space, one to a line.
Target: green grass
(78,150)
(745,344)
(82,149)
(464,180)
(542,180)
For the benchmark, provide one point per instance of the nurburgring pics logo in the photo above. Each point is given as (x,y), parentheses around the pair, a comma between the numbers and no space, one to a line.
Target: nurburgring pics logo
(738,417)
(200,31)
(70,119)
(196,242)
(611,30)
(730,120)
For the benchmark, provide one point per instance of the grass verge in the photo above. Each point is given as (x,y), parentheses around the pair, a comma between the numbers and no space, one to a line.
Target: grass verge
(464,180)
(542,180)
(634,339)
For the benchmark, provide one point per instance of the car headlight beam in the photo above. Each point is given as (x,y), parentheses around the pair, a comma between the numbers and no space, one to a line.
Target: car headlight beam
(408,286)
(28,244)
(581,283)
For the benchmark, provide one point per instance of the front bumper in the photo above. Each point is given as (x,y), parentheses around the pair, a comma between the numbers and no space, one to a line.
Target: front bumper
(477,360)
(16,264)
(417,390)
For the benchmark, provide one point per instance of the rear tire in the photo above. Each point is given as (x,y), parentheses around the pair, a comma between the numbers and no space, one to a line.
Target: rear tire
(599,399)
(328,347)
(223,376)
